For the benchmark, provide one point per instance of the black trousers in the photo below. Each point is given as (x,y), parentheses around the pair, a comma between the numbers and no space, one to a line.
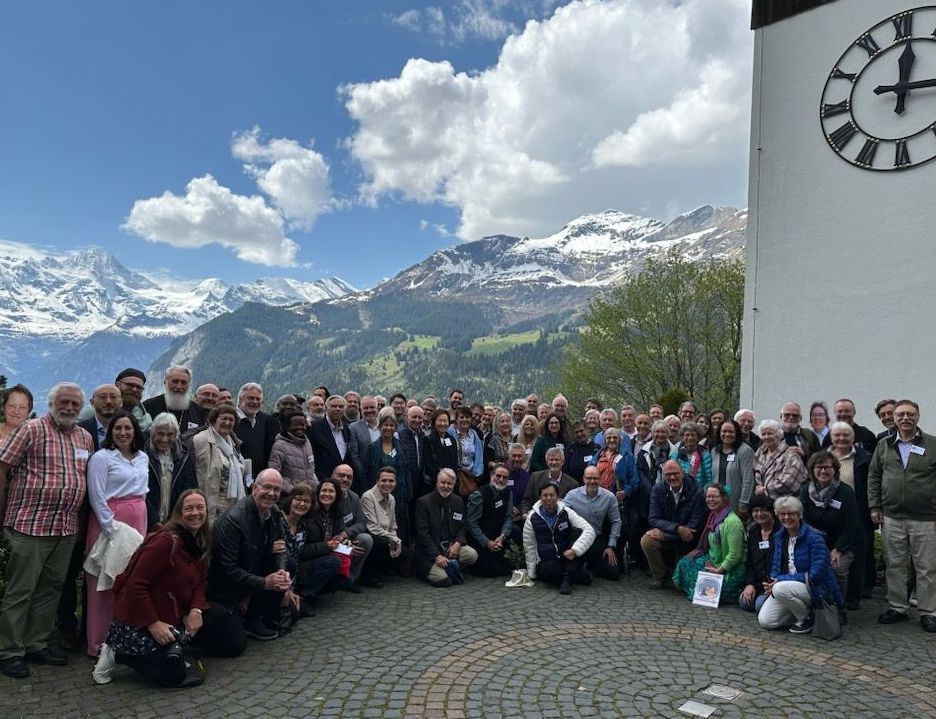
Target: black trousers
(490,564)
(222,632)
(554,571)
(596,562)
(379,562)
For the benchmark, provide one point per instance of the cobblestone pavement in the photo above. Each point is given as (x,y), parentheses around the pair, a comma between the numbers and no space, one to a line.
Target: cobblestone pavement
(482,650)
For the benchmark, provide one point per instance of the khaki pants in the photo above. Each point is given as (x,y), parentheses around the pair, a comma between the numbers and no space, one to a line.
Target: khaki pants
(35,575)
(904,539)
(466,557)
(653,549)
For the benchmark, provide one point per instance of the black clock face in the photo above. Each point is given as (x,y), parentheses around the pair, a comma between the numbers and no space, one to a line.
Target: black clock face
(878,108)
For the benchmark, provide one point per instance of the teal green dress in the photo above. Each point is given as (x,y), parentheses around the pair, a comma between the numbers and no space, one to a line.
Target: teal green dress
(726,551)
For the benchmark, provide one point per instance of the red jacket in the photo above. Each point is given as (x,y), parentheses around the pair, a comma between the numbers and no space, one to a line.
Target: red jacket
(163,584)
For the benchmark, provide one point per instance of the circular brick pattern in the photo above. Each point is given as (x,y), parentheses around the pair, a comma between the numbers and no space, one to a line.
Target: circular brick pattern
(481,650)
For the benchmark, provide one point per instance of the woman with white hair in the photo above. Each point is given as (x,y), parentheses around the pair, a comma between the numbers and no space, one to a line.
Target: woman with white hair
(171,469)
(800,553)
(778,468)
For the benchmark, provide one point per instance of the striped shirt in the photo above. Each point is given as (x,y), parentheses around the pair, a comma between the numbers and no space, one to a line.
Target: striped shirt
(46,481)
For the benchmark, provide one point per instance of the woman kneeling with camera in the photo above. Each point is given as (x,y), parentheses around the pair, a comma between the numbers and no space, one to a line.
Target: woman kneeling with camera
(160,600)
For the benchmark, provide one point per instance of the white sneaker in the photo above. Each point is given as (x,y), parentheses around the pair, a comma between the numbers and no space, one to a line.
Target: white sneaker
(107,660)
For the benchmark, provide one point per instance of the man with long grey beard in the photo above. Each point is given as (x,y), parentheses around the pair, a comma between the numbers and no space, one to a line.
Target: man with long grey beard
(176,399)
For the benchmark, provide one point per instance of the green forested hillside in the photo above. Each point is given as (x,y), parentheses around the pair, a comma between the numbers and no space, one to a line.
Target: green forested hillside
(385,344)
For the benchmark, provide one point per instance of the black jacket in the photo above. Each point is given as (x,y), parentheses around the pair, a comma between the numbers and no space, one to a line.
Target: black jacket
(256,440)
(188,418)
(438,456)
(415,459)
(241,552)
(437,520)
(90,425)
(666,514)
(578,456)
(324,448)
(183,477)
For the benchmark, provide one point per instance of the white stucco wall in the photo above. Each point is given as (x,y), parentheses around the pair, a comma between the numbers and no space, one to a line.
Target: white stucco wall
(840,296)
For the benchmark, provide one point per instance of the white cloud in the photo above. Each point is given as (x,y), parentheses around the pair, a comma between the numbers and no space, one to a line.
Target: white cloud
(209,214)
(625,103)
(293,176)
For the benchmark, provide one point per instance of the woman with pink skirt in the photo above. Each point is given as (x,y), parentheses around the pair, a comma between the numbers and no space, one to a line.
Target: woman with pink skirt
(118,479)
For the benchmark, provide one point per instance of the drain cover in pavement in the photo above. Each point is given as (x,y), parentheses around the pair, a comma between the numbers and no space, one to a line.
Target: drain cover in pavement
(697,709)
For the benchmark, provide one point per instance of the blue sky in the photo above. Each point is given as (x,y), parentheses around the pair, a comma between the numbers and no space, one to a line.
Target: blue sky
(244,139)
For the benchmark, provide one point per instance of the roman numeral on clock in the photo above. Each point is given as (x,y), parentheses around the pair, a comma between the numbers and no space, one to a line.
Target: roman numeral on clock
(839,75)
(901,155)
(867,43)
(836,108)
(843,135)
(866,156)
(903,25)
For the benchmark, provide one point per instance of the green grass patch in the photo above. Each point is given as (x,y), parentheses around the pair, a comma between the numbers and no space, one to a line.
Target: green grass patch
(495,344)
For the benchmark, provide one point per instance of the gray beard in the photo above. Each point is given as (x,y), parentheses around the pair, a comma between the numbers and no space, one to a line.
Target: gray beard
(176,402)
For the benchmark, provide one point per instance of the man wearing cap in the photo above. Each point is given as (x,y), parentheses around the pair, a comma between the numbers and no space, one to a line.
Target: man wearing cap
(131,382)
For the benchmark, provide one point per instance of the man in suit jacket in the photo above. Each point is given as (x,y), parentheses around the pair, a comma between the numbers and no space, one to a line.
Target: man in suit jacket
(364,433)
(554,475)
(254,428)
(440,532)
(105,401)
(330,438)
(414,449)
(176,400)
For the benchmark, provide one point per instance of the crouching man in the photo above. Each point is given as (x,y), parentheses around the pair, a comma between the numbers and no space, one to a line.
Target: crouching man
(551,554)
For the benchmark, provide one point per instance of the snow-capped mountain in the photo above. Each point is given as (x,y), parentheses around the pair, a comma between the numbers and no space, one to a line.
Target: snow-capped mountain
(75,295)
(529,277)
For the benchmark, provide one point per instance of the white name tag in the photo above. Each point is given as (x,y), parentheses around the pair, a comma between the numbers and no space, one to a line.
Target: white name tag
(510,483)
(447,441)
(81,454)
(729,457)
(300,537)
(348,518)
(560,445)
(393,452)
(457,516)
(498,503)
(192,425)
(564,525)
(763,544)
(588,457)
(835,504)
(311,459)
(618,458)
(917,450)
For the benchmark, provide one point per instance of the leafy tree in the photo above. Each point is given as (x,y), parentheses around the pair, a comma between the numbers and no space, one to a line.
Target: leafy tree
(677,324)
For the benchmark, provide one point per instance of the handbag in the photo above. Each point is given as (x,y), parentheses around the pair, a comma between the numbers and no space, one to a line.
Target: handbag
(344,568)
(466,483)
(826,624)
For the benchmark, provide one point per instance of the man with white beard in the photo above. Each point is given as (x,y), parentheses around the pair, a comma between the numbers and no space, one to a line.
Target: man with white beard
(490,523)
(42,486)
(176,399)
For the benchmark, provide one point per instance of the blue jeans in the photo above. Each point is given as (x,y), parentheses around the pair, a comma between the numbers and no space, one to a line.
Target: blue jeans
(752,606)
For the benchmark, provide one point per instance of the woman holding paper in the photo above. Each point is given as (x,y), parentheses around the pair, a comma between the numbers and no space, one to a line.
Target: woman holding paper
(319,562)
(720,549)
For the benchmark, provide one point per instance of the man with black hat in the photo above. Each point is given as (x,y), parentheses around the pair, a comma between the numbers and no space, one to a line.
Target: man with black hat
(130,382)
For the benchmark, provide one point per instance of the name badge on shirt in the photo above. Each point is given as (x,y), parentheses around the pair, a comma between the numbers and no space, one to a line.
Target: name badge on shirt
(192,425)
(617,458)
(835,504)
(917,450)
(498,503)
(560,445)
(393,452)
(300,537)
(510,483)
(729,457)
(588,457)
(447,441)
(311,459)
(763,544)
(457,516)
(81,454)
(564,525)
(348,518)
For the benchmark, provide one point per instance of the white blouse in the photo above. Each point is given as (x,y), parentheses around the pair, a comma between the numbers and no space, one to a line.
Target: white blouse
(110,475)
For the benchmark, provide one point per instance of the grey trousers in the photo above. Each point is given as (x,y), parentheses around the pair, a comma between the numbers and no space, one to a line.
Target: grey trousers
(35,575)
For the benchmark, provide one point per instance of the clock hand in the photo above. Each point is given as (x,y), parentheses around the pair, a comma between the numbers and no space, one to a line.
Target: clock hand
(905,63)
(903,86)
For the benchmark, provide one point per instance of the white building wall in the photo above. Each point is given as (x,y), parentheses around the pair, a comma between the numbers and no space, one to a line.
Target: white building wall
(840,296)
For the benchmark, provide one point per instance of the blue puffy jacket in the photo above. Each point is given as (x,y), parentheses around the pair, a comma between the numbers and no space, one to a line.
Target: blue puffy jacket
(811,557)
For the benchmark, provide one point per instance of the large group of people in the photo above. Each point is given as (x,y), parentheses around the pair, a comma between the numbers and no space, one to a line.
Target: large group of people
(198,518)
